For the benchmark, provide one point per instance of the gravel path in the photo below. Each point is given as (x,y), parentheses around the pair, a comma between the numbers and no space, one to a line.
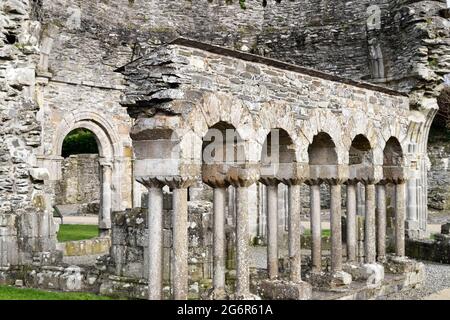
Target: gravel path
(437,278)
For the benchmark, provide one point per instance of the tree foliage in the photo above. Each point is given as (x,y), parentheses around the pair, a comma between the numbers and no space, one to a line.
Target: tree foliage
(79,141)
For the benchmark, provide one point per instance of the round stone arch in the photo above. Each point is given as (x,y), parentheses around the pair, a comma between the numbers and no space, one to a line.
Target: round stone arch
(325,122)
(105,132)
(373,136)
(222,108)
(110,154)
(393,129)
(104,143)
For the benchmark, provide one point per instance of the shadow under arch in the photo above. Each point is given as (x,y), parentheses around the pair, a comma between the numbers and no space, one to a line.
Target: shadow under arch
(361,159)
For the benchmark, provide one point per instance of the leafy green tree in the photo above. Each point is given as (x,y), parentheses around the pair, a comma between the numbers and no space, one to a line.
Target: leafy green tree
(79,141)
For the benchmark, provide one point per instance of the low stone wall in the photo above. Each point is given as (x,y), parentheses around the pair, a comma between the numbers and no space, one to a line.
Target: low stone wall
(85,247)
(60,278)
(129,241)
(431,250)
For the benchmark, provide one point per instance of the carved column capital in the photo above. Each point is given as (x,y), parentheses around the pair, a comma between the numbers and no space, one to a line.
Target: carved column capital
(335,181)
(314,182)
(178,182)
(215,175)
(269,181)
(243,176)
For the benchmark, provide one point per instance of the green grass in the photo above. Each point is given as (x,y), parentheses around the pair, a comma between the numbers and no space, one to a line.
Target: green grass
(12,293)
(74,232)
(325,232)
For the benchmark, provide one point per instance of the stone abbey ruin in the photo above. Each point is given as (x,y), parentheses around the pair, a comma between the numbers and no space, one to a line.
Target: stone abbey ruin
(230,135)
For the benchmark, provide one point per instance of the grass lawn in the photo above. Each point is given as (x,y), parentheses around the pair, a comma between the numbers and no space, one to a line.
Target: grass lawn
(12,293)
(325,232)
(74,232)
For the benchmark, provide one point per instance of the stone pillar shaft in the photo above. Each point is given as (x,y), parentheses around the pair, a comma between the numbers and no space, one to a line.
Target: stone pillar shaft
(351,222)
(106,204)
(180,244)
(400,212)
(219,238)
(381,222)
(336,228)
(272,231)
(295,233)
(155,242)
(242,242)
(316,228)
(370,227)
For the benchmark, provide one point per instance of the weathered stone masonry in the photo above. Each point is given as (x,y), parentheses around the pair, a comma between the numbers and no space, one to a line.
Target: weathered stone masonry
(408,47)
(57,63)
(181,91)
(27,230)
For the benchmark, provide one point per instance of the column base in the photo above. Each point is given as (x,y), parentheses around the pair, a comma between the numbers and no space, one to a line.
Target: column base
(285,290)
(371,273)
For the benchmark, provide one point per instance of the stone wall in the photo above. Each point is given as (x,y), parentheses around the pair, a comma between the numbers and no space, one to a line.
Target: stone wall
(439,176)
(409,47)
(27,230)
(80,181)
(129,241)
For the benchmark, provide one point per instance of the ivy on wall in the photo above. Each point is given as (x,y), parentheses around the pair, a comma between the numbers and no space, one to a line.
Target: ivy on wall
(79,141)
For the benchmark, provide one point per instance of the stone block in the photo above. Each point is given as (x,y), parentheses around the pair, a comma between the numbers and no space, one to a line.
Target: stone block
(285,290)
(372,274)
(340,279)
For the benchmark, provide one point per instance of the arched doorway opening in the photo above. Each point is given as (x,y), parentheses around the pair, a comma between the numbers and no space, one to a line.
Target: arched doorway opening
(83,193)
(222,150)
(323,161)
(361,172)
(277,166)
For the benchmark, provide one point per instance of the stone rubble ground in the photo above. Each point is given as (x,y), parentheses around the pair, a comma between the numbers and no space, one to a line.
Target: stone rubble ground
(437,278)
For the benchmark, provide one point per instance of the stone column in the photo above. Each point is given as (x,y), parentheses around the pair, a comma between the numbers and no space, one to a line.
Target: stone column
(370,227)
(155,239)
(360,206)
(242,242)
(351,222)
(106,204)
(180,239)
(295,233)
(381,222)
(137,195)
(336,227)
(272,227)
(242,179)
(400,212)
(412,219)
(219,239)
(316,228)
